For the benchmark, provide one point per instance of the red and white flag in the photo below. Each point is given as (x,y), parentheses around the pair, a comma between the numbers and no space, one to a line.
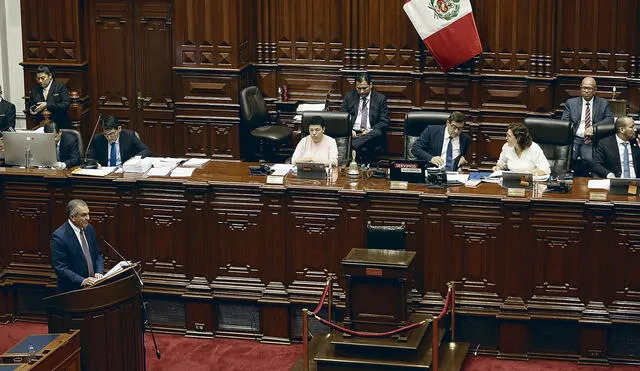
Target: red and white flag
(447,28)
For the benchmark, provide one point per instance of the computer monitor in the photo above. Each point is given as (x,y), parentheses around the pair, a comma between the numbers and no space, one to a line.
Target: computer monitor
(41,147)
(517,180)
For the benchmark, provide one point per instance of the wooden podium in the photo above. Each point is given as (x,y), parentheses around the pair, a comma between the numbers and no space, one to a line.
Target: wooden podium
(109,317)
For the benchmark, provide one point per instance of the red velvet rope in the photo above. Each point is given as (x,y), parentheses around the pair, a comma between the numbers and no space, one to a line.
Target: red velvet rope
(370,334)
(446,305)
(373,334)
(322,298)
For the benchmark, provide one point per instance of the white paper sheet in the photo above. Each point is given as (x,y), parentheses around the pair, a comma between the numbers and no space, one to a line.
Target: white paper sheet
(182,171)
(598,184)
(195,162)
(103,171)
(281,169)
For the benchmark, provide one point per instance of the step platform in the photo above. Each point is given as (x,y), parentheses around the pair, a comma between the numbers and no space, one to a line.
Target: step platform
(335,352)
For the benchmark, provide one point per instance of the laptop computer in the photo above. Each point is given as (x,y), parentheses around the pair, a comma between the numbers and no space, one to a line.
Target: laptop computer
(311,170)
(512,179)
(624,186)
(411,171)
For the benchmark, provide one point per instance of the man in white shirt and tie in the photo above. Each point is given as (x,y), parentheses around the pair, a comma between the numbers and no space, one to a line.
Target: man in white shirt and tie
(618,156)
(49,95)
(75,255)
(370,117)
(585,112)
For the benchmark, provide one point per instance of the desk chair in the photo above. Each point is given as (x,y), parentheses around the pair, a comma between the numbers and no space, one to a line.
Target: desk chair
(390,237)
(338,126)
(602,131)
(414,125)
(555,137)
(79,137)
(256,123)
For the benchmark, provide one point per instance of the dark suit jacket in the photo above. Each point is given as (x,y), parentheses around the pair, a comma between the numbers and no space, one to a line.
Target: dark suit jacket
(68,260)
(378,115)
(607,158)
(430,144)
(601,112)
(57,103)
(7,115)
(130,146)
(68,152)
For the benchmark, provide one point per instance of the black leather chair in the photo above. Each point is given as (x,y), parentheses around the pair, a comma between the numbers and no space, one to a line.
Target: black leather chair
(79,137)
(555,137)
(414,125)
(602,131)
(338,126)
(256,123)
(390,237)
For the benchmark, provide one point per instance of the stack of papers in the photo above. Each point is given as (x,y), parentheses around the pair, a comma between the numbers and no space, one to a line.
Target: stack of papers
(182,171)
(137,165)
(162,166)
(103,171)
(195,162)
(304,107)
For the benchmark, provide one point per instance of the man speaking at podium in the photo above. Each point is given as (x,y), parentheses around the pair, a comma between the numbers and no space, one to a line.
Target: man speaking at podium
(75,256)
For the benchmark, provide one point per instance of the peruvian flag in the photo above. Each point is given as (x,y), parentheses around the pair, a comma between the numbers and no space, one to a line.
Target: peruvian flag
(447,28)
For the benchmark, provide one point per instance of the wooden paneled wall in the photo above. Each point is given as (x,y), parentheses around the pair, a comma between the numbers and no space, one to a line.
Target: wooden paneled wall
(173,69)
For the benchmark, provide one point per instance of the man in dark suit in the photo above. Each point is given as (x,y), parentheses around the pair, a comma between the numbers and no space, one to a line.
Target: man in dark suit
(442,150)
(66,146)
(75,256)
(116,145)
(618,156)
(7,114)
(585,112)
(50,95)
(369,114)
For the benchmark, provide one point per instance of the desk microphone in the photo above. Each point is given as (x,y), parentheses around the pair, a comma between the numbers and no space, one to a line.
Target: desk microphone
(144,304)
(89,163)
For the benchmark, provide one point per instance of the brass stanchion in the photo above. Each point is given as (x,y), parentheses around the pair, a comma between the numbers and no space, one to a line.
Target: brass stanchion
(305,339)
(452,288)
(330,302)
(434,343)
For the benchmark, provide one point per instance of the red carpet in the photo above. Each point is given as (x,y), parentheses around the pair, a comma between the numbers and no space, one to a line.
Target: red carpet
(180,353)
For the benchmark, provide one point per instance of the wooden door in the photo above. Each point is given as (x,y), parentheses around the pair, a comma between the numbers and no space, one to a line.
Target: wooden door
(130,68)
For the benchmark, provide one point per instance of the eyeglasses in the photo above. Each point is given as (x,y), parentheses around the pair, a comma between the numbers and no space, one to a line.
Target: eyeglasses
(456,127)
(110,133)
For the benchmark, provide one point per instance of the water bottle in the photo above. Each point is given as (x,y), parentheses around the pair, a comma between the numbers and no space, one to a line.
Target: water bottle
(32,353)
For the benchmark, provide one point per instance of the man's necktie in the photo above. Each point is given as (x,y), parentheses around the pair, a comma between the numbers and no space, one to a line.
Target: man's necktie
(449,162)
(112,155)
(87,254)
(45,93)
(626,172)
(364,122)
(587,124)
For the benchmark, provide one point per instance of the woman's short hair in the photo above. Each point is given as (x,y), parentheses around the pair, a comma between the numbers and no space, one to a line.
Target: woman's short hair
(316,120)
(521,133)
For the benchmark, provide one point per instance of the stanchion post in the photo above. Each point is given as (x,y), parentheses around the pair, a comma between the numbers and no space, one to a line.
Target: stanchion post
(452,287)
(305,339)
(330,301)
(434,343)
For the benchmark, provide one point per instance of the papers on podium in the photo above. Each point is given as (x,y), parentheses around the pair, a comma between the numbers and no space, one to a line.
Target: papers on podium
(137,164)
(119,267)
(103,171)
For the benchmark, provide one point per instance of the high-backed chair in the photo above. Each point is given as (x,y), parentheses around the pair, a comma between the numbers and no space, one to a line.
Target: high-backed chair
(390,237)
(555,137)
(256,122)
(602,131)
(338,126)
(79,137)
(414,125)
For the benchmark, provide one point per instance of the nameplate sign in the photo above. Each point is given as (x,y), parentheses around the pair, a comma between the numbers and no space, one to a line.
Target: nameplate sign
(377,272)
(275,179)
(632,190)
(398,184)
(597,196)
(516,192)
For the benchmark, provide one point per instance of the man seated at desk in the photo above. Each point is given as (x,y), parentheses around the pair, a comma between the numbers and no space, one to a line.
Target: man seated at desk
(618,156)
(116,145)
(441,150)
(66,146)
(316,147)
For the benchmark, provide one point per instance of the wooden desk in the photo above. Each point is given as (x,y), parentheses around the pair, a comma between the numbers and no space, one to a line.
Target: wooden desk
(223,253)
(53,352)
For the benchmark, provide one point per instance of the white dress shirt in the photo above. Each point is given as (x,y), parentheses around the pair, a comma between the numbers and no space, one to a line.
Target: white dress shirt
(580,131)
(455,141)
(632,170)
(356,124)
(531,158)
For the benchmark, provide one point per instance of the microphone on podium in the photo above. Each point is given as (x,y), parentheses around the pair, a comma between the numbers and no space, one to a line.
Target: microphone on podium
(147,322)
(89,163)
